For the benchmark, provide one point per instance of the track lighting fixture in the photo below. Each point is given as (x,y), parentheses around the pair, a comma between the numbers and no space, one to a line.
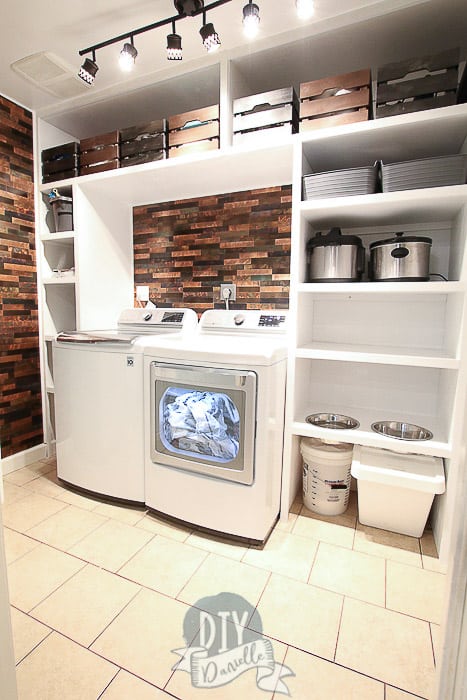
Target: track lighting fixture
(209,36)
(127,56)
(174,45)
(305,8)
(188,7)
(184,8)
(251,19)
(88,70)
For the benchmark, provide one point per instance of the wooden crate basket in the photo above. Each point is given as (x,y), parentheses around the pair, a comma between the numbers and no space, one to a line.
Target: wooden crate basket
(60,162)
(275,111)
(417,84)
(143,143)
(337,100)
(192,127)
(99,153)
(194,147)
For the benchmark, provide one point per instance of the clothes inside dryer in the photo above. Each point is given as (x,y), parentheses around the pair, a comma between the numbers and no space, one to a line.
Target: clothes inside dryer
(200,422)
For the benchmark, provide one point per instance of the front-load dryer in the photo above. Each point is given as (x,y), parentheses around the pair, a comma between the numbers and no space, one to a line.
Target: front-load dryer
(214,416)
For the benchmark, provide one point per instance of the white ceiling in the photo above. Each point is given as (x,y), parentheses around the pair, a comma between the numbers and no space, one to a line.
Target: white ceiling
(341,34)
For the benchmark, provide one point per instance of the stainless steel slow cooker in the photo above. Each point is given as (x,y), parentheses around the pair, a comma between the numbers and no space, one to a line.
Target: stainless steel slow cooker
(333,257)
(402,258)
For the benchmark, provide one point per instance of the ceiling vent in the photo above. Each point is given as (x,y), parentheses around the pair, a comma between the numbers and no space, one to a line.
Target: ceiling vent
(48,72)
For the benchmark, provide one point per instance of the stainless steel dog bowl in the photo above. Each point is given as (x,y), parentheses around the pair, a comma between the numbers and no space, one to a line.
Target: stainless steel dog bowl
(332,420)
(401,431)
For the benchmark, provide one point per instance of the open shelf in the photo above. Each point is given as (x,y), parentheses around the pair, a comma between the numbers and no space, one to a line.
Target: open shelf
(367,437)
(386,355)
(403,137)
(409,329)
(432,204)
(59,308)
(422,395)
(64,279)
(445,230)
(230,169)
(65,236)
(376,288)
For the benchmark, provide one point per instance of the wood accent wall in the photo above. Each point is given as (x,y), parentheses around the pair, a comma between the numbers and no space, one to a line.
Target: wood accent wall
(20,388)
(185,249)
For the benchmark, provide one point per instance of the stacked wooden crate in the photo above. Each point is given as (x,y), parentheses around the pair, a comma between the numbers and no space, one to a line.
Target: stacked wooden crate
(99,153)
(417,84)
(194,131)
(143,143)
(60,162)
(273,113)
(337,100)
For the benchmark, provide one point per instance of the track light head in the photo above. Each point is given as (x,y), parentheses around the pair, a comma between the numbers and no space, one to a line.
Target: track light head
(251,19)
(174,47)
(188,7)
(127,56)
(210,37)
(305,8)
(88,71)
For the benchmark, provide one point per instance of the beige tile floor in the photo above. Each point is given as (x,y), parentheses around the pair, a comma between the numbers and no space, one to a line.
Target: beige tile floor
(99,593)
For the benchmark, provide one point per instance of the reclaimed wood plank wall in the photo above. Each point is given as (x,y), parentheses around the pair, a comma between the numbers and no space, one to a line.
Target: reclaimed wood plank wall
(20,392)
(185,249)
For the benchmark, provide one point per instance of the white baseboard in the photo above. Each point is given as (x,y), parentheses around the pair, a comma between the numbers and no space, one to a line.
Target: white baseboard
(22,459)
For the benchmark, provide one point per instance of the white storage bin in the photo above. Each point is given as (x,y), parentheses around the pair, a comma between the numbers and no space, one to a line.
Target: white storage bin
(396,491)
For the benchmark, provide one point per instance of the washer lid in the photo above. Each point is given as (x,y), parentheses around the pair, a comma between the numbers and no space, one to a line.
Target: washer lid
(96,337)
(417,472)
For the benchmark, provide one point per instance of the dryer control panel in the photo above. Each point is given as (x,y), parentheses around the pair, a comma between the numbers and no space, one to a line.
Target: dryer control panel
(249,320)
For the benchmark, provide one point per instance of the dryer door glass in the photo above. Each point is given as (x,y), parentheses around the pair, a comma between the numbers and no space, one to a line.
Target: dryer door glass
(203,420)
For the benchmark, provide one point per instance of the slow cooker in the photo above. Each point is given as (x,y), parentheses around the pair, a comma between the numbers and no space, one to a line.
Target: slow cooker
(334,257)
(402,258)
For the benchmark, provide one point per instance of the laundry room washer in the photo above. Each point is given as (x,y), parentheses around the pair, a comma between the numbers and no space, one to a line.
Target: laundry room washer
(214,415)
(98,379)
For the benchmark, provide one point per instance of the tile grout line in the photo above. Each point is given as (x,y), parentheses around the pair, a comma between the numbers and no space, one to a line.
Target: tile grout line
(111,621)
(339,628)
(109,684)
(54,591)
(127,561)
(65,505)
(174,670)
(259,599)
(315,556)
(329,661)
(175,597)
(67,551)
(432,644)
(386,584)
(51,631)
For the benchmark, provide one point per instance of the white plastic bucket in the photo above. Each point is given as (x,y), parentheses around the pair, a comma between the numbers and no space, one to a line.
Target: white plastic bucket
(326,475)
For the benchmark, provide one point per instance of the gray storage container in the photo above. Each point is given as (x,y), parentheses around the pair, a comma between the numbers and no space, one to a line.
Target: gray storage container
(62,210)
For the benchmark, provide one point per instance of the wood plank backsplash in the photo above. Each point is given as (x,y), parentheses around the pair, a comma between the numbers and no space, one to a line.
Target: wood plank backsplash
(20,392)
(185,249)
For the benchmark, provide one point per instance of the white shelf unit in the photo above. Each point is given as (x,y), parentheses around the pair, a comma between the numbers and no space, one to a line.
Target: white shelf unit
(101,246)
(381,350)
(423,356)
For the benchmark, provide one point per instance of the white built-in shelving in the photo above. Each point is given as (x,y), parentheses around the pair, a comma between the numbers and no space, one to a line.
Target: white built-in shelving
(381,350)
(375,351)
